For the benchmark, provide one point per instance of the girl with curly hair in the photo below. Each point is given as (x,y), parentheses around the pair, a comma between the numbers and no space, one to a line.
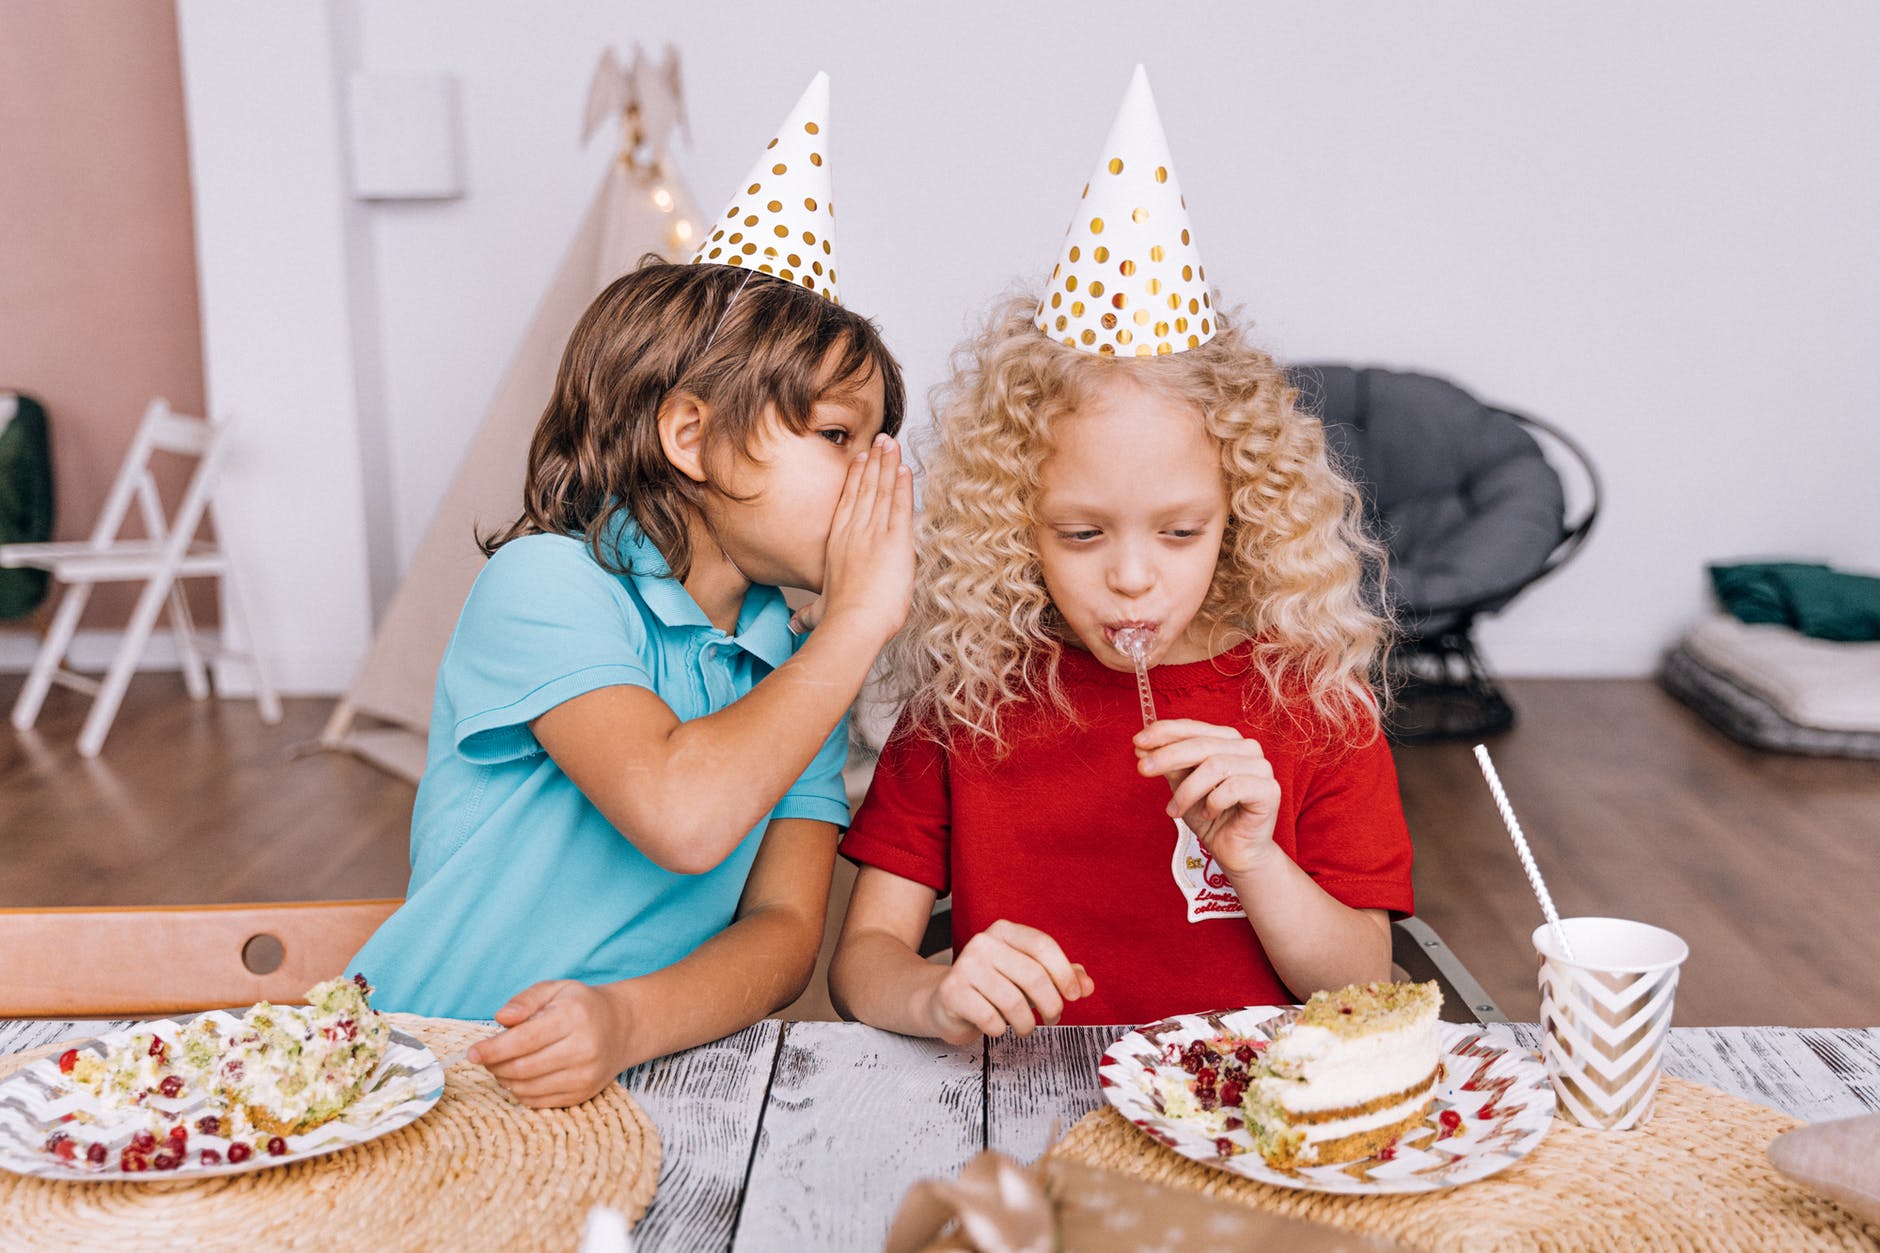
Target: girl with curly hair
(1106,477)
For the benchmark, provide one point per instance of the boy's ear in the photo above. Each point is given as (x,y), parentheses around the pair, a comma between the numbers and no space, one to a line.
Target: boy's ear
(682,422)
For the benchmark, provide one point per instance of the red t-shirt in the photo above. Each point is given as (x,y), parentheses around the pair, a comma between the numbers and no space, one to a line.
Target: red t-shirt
(1064,835)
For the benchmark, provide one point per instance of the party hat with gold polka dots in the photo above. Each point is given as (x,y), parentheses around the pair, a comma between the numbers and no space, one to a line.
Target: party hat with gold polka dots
(1129,280)
(781,220)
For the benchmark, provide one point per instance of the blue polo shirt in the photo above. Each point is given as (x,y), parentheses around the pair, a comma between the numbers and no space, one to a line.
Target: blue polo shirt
(515,876)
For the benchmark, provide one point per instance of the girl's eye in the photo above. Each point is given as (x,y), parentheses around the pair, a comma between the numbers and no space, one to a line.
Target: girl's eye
(1078,537)
(836,436)
(1184,534)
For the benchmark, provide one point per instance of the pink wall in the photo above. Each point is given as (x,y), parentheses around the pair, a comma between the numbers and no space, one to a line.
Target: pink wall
(97,253)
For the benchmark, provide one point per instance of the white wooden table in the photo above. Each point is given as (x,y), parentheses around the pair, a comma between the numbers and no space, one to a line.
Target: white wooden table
(805,1135)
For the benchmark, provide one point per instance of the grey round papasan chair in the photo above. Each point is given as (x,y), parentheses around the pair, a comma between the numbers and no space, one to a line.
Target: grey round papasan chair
(1472,512)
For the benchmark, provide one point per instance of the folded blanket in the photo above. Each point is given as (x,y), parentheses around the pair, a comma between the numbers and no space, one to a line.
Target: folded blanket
(1743,715)
(1810,682)
(1816,600)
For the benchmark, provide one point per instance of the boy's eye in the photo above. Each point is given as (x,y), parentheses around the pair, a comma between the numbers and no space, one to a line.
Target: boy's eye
(835,435)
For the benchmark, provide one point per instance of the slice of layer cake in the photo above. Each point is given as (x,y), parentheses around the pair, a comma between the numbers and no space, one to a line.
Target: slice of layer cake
(1356,1070)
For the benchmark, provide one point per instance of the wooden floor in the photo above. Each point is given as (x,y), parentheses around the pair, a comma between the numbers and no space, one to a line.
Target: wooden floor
(192,804)
(1767,865)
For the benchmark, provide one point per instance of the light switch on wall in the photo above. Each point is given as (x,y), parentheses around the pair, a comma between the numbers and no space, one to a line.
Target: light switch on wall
(405,137)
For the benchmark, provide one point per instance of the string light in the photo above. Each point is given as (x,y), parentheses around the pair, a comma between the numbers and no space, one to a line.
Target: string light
(663,199)
(682,231)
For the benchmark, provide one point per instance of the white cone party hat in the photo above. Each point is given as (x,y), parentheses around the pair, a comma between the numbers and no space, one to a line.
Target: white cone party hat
(1129,281)
(781,220)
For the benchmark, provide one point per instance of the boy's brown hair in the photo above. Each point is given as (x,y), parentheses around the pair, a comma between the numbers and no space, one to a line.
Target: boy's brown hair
(743,343)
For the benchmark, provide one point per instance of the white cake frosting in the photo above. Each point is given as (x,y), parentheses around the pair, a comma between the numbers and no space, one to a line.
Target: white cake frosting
(1383,1041)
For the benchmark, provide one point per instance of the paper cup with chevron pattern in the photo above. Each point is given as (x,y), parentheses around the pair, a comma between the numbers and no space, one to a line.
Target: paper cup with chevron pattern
(1604,1016)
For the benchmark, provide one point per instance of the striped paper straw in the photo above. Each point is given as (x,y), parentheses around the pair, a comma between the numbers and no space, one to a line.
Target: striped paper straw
(1521,848)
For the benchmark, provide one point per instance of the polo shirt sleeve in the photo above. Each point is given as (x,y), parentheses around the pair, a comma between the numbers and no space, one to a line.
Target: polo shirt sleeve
(1350,831)
(819,792)
(543,623)
(904,824)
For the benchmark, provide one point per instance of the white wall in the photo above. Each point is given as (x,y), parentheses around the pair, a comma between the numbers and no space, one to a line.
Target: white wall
(280,256)
(1655,228)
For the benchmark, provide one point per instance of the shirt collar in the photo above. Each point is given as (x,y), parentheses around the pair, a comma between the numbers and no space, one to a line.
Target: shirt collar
(763,619)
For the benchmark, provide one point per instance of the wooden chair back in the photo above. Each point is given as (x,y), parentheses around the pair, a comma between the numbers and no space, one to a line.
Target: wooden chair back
(165,960)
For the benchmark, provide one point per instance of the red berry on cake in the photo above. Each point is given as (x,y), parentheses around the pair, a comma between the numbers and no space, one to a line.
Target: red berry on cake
(239,1152)
(67,1060)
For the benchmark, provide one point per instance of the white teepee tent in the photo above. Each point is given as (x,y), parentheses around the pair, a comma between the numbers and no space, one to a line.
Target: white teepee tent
(642,207)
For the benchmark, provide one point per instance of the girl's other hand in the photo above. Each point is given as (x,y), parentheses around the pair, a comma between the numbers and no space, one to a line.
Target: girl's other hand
(1224,788)
(1008,976)
(566,1041)
(868,575)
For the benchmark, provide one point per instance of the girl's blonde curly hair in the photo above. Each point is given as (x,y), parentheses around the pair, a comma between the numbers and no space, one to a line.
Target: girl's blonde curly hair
(1295,570)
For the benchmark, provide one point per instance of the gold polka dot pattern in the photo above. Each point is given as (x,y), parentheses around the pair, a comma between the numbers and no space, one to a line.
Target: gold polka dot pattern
(476,1171)
(785,198)
(1146,259)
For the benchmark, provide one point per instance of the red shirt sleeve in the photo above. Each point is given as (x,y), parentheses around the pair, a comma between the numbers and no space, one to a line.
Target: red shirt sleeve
(1350,832)
(904,824)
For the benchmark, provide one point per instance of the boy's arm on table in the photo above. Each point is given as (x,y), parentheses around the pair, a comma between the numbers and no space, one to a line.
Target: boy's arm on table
(1008,976)
(568,1040)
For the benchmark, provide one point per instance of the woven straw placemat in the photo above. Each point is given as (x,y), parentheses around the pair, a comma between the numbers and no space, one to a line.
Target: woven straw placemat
(1697,1178)
(477,1171)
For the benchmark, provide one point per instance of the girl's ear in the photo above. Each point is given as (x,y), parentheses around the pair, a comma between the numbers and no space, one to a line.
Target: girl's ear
(682,422)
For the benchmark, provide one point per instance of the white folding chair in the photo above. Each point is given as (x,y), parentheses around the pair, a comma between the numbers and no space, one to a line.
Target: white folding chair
(169,551)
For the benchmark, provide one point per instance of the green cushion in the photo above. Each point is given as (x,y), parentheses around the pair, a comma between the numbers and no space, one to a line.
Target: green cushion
(25,500)
(1814,599)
